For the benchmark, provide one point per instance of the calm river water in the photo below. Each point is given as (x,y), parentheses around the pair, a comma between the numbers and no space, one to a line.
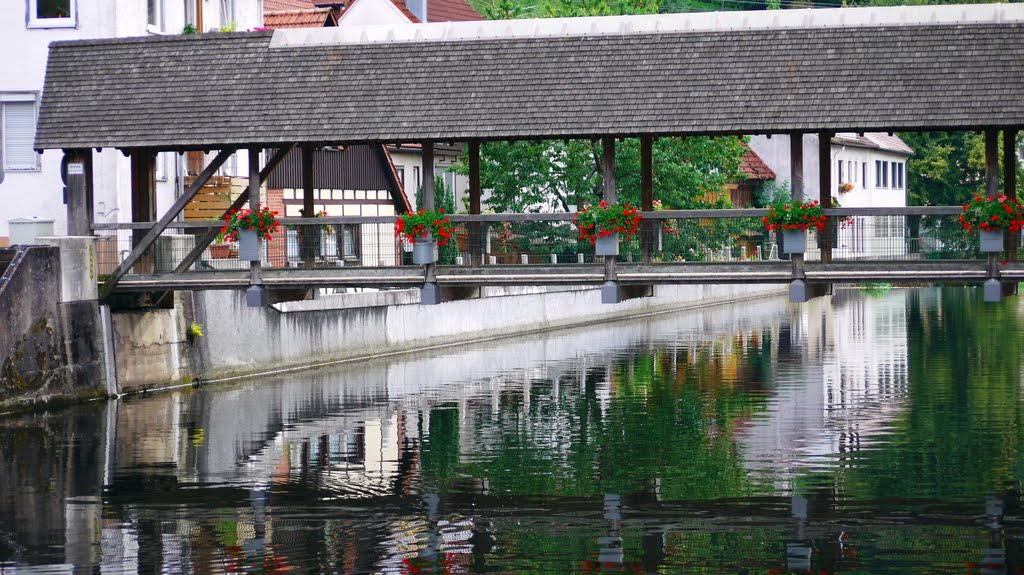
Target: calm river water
(866,433)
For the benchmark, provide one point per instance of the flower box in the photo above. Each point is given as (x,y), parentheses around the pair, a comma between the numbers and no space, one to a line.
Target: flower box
(424,250)
(222,251)
(607,245)
(991,240)
(426,229)
(793,219)
(248,227)
(990,216)
(794,241)
(602,224)
(248,246)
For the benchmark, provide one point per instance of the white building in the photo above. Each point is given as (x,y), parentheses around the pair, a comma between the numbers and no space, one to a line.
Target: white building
(31,184)
(868,171)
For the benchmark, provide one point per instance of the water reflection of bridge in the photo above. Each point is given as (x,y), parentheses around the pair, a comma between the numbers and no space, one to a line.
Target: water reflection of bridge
(346,452)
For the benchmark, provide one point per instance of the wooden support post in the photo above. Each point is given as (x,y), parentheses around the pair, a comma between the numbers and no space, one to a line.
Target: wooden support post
(608,168)
(992,162)
(78,192)
(796,166)
(825,237)
(1010,189)
(256,294)
(153,233)
(143,189)
(310,240)
(428,175)
(477,241)
(610,288)
(649,229)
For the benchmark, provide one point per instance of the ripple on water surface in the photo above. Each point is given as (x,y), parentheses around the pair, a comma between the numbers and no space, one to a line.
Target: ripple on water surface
(854,434)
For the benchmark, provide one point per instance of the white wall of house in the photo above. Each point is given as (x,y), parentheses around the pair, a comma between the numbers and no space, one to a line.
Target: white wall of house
(373,12)
(409,167)
(33,188)
(879,179)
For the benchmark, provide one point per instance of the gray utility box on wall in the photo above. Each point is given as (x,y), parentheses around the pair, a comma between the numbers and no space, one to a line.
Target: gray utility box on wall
(24,231)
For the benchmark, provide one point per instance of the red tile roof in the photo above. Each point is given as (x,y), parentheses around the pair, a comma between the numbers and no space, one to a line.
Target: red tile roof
(281,5)
(450,11)
(754,167)
(315,18)
(400,4)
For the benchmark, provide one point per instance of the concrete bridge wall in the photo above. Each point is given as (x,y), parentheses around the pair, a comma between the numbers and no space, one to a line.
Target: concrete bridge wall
(155,349)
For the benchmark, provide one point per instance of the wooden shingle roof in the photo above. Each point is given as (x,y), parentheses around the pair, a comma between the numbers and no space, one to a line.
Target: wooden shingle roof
(206,91)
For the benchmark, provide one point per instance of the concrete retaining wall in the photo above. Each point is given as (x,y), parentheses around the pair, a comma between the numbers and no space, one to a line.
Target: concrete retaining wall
(50,343)
(153,348)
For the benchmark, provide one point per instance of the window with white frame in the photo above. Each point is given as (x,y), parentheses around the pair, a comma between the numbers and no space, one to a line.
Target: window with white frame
(401,174)
(840,171)
(161,167)
(18,131)
(449,182)
(155,8)
(900,171)
(878,173)
(52,13)
(415,178)
(227,15)
(190,12)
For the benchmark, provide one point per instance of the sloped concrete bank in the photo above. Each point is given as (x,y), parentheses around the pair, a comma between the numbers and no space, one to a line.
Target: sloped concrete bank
(155,349)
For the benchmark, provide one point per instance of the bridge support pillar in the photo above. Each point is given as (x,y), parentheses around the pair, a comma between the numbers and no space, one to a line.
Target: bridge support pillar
(430,294)
(610,292)
(256,296)
(799,291)
(993,290)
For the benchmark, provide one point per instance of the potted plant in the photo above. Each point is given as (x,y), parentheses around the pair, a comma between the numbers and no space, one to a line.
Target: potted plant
(426,229)
(990,216)
(248,227)
(602,224)
(845,187)
(793,219)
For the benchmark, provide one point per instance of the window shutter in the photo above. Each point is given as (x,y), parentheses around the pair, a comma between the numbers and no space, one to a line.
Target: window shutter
(19,131)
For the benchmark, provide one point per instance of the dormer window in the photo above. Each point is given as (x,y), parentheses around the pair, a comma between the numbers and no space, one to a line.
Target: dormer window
(52,13)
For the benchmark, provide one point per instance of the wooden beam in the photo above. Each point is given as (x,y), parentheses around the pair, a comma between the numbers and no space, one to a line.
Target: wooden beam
(992,162)
(78,184)
(309,242)
(254,204)
(158,228)
(649,229)
(608,168)
(477,243)
(825,240)
(428,175)
(143,202)
(610,196)
(796,166)
(1011,240)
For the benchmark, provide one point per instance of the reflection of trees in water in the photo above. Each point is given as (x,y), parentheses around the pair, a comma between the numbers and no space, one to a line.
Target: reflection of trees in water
(646,414)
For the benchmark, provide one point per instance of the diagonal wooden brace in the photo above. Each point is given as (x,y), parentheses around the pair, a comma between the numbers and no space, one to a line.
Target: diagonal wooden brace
(159,227)
(207,238)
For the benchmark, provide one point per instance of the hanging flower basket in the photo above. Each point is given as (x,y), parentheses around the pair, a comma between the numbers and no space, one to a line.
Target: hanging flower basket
(426,229)
(602,226)
(990,216)
(248,227)
(793,219)
(845,187)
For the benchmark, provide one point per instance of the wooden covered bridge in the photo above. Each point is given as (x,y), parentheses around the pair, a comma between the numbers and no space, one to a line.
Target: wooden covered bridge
(791,73)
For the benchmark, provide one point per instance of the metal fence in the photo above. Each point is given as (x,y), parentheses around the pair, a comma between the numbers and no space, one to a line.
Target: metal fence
(531,239)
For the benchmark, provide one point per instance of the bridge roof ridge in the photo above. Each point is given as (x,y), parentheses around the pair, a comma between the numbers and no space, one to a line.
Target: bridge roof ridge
(694,22)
